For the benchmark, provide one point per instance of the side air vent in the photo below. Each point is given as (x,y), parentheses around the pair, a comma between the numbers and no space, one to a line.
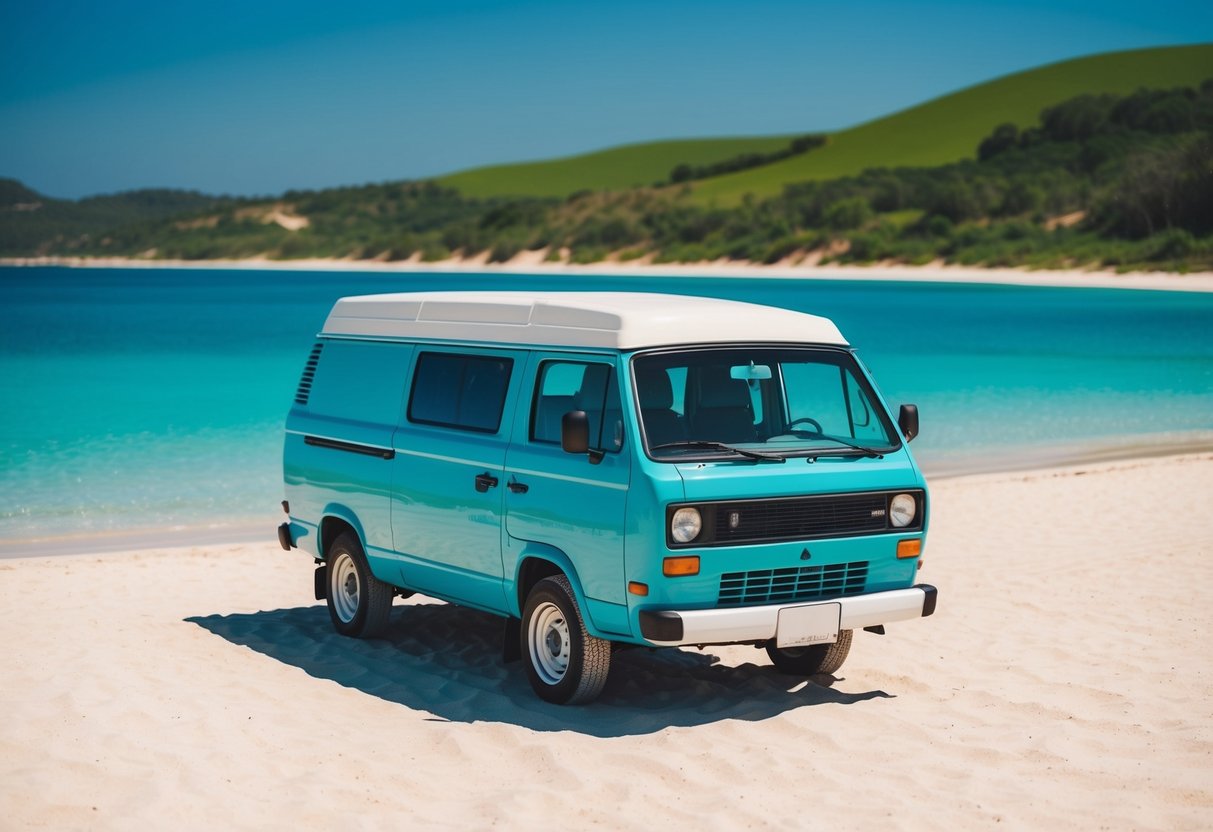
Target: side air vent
(309,373)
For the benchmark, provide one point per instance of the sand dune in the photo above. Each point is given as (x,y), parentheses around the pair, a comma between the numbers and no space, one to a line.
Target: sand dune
(1064,681)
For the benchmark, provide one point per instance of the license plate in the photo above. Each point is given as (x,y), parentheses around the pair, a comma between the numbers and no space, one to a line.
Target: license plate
(802,626)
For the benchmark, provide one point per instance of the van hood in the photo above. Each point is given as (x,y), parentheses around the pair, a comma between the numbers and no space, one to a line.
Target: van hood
(740,480)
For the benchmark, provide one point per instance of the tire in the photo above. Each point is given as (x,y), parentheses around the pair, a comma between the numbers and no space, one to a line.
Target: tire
(816,658)
(565,664)
(359,603)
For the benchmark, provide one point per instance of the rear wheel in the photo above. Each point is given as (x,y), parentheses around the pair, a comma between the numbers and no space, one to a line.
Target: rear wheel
(565,664)
(359,603)
(815,658)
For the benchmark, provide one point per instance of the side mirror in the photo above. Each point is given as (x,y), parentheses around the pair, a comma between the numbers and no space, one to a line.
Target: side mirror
(907,420)
(575,432)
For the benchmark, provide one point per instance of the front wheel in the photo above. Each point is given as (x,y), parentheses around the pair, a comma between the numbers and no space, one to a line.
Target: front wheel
(359,603)
(815,658)
(565,664)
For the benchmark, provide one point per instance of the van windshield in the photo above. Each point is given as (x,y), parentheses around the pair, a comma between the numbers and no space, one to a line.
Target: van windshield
(774,401)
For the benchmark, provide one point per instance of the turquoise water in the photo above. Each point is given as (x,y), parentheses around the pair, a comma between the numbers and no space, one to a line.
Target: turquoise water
(151,398)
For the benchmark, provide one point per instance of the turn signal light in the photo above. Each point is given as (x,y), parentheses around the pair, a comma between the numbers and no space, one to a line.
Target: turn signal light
(675,567)
(637,588)
(909,548)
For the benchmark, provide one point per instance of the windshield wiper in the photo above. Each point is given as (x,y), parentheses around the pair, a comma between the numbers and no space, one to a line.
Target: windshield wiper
(719,446)
(851,446)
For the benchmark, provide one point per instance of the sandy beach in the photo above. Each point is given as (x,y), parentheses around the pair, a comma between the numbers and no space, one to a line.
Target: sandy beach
(532,262)
(1063,683)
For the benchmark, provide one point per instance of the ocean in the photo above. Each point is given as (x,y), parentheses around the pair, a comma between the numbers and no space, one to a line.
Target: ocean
(154,399)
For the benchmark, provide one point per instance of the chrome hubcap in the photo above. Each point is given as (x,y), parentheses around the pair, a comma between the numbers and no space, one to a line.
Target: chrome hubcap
(343,588)
(549,643)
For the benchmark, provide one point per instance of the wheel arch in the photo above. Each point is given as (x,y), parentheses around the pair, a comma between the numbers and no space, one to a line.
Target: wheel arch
(536,562)
(334,520)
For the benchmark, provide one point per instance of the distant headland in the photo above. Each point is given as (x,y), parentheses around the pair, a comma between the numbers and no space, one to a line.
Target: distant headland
(1101,163)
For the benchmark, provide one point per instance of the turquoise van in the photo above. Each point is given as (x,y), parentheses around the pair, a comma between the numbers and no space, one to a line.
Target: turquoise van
(605,470)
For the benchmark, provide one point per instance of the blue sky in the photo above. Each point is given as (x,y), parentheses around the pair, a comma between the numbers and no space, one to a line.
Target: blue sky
(258,98)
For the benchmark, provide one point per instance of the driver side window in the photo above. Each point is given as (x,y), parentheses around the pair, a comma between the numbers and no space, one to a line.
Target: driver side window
(565,386)
(827,396)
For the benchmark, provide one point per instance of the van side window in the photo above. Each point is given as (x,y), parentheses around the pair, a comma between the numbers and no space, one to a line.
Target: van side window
(466,392)
(565,386)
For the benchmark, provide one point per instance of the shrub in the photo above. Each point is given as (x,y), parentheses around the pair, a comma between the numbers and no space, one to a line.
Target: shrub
(952,198)
(1018,231)
(849,213)
(504,250)
(588,254)
(1004,137)
(1079,118)
(1021,198)
(433,252)
(779,249)
(682,173)
(939,226)
(1171,245)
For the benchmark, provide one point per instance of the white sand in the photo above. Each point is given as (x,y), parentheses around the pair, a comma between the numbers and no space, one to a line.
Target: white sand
(1063,683)
(534,263)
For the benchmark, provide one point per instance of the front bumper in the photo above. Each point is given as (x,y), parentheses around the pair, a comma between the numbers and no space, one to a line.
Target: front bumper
(670,628)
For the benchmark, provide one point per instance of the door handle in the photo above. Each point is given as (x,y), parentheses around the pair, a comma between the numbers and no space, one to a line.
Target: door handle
(518,487)
(485,481)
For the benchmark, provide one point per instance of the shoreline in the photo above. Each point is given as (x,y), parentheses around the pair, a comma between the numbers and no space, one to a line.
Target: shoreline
(116,541)
(533,263)
(248,531)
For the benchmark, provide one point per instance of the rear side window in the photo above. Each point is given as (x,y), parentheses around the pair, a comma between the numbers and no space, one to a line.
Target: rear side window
(466,392)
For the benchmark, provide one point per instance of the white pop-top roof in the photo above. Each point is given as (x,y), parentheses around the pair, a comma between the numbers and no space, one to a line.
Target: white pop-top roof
(616,320)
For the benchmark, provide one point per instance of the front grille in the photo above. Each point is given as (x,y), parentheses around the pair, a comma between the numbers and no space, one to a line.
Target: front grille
(801,518)
(804,583)
(309,374)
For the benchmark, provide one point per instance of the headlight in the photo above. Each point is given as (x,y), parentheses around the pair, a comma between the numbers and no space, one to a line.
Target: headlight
(902,509)
(685,525)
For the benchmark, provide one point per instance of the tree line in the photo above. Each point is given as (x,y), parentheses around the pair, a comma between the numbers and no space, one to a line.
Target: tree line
(1114,181)
(685,172)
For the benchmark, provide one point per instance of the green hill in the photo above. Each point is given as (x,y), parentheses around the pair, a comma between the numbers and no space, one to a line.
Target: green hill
(31,223)
(949,129)
(616,168)
(943,130)
(1030,170)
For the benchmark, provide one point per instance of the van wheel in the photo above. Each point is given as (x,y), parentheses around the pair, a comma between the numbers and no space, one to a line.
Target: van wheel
(566,665)
(815,658)
(359,603)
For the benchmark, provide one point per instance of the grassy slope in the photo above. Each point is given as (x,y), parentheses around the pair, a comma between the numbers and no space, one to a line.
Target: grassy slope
(942,130)
(949,128)
(614,169)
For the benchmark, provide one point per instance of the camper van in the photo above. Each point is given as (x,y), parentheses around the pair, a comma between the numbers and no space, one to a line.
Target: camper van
(605,470)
